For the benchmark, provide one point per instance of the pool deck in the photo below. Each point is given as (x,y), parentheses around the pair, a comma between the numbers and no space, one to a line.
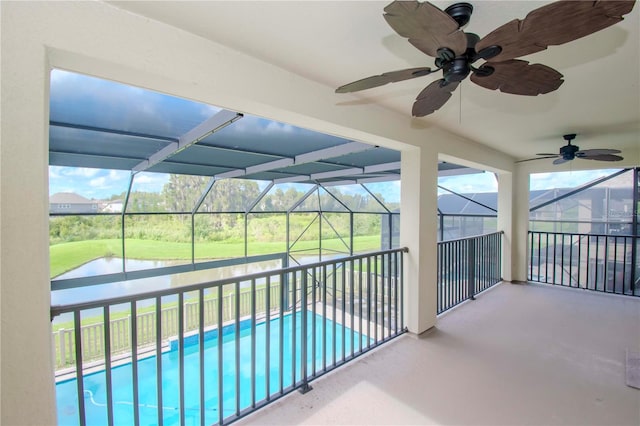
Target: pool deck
(518,355)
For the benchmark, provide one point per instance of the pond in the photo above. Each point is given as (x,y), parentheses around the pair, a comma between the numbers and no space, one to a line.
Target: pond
(130,287)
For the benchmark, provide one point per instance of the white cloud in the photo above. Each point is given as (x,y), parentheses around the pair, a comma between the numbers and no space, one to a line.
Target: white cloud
(143,179)
(479,182)
(90,183)
(98,182)
(80,171)
(149,182)
(571,179)
(276,127)
(118,174)
(208,111)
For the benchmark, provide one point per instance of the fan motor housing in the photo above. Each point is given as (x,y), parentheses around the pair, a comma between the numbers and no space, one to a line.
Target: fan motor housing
(568,152)
(456,70)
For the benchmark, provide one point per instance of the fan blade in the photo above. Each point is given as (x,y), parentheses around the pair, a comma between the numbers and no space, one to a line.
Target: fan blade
(602,157)
(592,152)
(427,27)
(548,154)
(433,97)
(382,79)
(554,24)
(519,78)
(538,158)
(560,161)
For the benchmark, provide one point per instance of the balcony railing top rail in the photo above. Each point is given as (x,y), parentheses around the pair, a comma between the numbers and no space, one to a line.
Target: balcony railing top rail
(584,234)
(470,237)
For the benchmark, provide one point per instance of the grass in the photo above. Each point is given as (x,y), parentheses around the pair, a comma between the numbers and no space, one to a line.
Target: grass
(67,256)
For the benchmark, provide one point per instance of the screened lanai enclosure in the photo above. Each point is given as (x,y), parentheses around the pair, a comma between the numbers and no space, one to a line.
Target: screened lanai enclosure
(155,185)
(176,171)
(219,260)
(587,237)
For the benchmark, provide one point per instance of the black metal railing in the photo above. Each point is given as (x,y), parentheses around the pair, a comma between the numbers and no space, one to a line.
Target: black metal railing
(214,352)
(467,267)
(605,263)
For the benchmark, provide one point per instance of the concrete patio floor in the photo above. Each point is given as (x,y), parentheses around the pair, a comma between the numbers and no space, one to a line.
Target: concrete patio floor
(518,355)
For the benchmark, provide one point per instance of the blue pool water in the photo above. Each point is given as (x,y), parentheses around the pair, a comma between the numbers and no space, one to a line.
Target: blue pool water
(95,384)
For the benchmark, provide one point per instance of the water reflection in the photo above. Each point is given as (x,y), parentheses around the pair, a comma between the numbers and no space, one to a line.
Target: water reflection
(130,287)
(113,265)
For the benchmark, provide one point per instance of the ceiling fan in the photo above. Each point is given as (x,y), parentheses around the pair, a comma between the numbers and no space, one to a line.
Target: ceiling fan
(438,33)
(571,152)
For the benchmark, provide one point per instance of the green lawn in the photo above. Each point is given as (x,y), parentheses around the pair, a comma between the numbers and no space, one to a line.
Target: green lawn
(68,256)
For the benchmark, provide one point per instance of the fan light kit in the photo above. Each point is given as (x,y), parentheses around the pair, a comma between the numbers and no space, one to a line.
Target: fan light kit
(438,34)
(571,152)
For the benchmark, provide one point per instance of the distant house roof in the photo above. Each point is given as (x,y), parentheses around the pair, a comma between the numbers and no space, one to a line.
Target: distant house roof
(69,198)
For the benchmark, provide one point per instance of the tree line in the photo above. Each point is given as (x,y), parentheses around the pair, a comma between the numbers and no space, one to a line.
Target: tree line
(182,192)
(229,199)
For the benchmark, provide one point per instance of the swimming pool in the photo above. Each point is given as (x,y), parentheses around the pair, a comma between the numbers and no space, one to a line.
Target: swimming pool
(331,340)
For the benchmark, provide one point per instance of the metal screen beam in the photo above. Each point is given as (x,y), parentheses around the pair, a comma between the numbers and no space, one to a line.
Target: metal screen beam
(335,198)
(271,165)
(301,200)
(333,152)
(218,121)
(122,216)
(374,168)
(376,198)
(459,171)
(204,194)
(337,173)
(385,167)
(293,179)
(309,157)
(260,197)
(360,181)
(467,198)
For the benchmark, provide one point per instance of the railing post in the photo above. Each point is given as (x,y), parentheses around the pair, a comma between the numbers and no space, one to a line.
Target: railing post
(471,271)
(62,344)
(635,229)
(304,387)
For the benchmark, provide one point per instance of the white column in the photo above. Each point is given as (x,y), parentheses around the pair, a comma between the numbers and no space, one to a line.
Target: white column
(519,245)
(25,337)
(418,232)
(505,221)
(513,219)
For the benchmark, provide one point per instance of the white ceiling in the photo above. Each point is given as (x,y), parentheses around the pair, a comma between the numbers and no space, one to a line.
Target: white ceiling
(334,43)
